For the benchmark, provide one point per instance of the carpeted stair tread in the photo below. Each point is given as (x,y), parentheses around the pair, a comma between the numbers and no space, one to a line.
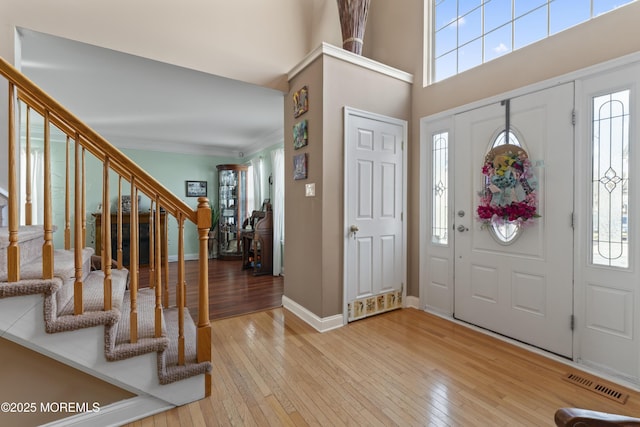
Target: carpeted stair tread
(25,233)
(118,336)
(93,292)
(58,304)
(47,287)
(168,369)
(60,320)
(63,265)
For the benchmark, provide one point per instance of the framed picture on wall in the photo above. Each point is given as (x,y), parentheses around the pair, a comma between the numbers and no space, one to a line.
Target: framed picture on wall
(300,166)
(300,102)
(300,135)
(196,188)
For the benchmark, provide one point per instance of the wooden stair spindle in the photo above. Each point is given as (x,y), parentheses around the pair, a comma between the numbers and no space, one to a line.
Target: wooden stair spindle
(158,272)
(133,262)
(152,259)
(106,229)
(84,192)
(119,244)
(67,197)
(47,246)
(180,293)
(79,236)
(13,251)
(162,225)
(28,205)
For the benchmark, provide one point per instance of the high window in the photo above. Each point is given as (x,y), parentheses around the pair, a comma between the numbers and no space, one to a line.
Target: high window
(467,33)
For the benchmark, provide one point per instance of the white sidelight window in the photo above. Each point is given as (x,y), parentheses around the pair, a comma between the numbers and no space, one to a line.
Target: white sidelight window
(610,179)
(440,195)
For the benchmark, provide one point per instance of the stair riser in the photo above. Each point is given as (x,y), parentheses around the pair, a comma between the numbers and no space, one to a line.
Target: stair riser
(65,294)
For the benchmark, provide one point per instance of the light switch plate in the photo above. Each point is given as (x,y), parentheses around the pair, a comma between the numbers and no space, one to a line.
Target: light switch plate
(310,190)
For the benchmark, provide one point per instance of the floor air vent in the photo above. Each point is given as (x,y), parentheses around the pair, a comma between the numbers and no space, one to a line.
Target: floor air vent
(597,386)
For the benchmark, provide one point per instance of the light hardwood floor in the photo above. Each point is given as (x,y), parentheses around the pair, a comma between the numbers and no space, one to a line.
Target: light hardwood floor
(406,368)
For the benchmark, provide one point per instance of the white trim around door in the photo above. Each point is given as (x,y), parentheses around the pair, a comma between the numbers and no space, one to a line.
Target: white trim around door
(375,202)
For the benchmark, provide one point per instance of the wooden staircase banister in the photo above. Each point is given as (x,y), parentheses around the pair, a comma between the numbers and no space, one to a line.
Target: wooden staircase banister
(68,123)
(84,139)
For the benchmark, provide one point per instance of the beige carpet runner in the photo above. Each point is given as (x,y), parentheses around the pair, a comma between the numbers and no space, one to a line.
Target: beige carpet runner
(58,308)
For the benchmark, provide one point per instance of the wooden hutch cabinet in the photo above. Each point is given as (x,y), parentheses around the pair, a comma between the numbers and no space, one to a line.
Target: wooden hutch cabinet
(232,202)
(144,240)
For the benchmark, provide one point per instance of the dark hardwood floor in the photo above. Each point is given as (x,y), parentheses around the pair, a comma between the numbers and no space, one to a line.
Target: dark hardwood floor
(232,291)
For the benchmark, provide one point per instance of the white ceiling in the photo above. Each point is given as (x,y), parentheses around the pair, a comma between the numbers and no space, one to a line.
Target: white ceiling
(139,103)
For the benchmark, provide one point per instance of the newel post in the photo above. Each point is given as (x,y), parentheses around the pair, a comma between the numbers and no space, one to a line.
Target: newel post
(204,326)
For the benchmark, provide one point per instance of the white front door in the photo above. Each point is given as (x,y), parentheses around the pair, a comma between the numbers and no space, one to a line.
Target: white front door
(374,203)
(523,289)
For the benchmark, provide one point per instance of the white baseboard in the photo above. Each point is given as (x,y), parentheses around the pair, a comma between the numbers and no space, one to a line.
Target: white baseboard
(320,324)
(412,302)
(116,414)
(187,257)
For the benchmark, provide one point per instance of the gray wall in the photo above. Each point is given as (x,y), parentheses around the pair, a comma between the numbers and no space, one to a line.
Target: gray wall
(314,229)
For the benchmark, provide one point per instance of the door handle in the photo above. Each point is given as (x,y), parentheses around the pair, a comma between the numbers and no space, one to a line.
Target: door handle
(462,228)
(353,230)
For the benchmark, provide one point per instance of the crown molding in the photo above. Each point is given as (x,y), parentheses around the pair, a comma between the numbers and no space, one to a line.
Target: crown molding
(345,55)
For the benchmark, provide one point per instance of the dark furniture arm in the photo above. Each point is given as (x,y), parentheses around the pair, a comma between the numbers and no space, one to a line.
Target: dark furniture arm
(576,417)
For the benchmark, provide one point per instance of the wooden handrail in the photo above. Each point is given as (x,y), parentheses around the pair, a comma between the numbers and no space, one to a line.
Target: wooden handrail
(69,124)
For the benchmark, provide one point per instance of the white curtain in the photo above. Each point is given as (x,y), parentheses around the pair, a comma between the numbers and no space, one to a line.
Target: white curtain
(257,185)
(277,205)
(251,202)
(37,181)
(4,200)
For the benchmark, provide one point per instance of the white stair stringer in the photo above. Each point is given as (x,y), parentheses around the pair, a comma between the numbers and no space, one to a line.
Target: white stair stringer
(22,321)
